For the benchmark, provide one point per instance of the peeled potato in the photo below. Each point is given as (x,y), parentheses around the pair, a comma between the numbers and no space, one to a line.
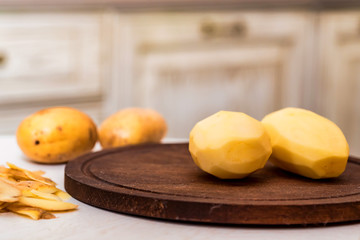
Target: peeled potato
(56,135)
(306,143)
(229,145)
(132,126)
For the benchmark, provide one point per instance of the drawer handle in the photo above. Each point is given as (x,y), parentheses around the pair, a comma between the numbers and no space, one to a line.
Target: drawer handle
(238,29)
(2,59)
(210,29)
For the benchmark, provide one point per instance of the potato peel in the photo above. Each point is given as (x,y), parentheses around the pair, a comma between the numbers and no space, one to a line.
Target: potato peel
(32,175)
(48,196)
(46,204)
(32,212)
(62,195)
(3,205)
(30,194)
(8,193)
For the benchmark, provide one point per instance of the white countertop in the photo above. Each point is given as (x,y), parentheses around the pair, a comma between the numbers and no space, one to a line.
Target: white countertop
(93,223)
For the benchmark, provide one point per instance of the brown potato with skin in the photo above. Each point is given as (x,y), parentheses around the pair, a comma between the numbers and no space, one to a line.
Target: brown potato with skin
(132,126)
(56,135)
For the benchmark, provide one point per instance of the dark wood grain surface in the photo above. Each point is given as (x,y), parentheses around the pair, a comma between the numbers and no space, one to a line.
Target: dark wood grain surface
(187,4)
(161,181)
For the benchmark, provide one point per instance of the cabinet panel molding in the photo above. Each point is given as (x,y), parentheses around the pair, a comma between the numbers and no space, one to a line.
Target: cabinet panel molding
(187,75)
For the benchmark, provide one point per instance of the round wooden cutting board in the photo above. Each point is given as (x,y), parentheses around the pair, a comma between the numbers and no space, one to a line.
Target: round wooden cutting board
(161,181)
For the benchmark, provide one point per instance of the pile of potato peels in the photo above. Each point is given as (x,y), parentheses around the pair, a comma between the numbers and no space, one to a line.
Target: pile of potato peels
(29,193)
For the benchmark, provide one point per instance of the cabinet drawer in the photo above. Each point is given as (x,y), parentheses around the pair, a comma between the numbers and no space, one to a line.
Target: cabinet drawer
(49,56)
(179,28)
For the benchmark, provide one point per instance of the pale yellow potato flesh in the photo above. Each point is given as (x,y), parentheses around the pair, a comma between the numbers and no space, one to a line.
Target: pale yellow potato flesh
(306,143)
(8,193)
(48,205)
(229,145)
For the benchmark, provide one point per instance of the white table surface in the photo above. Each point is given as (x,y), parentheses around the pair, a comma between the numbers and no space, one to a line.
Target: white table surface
(93,223)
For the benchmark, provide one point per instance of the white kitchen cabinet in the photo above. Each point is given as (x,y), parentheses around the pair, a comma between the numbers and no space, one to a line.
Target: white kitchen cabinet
(47,59)
(185,64)
(190,65)
(339,73)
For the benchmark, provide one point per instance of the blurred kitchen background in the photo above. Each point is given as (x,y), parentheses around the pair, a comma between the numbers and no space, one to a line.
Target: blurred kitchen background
(185,59)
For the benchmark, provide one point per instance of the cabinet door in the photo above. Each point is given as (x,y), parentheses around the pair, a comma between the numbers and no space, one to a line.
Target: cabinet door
(339,92)
(49,58)
(189,66)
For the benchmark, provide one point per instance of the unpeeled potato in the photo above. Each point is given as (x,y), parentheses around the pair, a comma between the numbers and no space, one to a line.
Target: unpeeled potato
(56,135)
(132,126)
